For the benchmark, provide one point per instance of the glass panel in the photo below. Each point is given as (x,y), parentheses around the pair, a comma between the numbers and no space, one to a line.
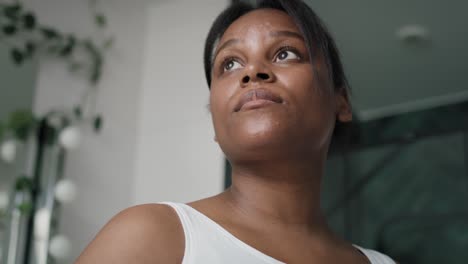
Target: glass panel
(16,93)
(406,199)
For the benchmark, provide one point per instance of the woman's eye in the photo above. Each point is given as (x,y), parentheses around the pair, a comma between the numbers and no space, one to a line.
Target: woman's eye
(231,65)
(286,55)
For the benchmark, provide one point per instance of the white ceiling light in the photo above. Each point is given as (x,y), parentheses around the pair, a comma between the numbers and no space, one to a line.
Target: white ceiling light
(412,33)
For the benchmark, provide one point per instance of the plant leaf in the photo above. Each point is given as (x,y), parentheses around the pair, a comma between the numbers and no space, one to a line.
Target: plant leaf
(97,123)
(17,56)
(21,122)
(12,11)
(96,72)
(25,207)
(29,21)
(77,111)
(96,56)
(49,33)
(9,30)
(100,20)
(69,46)
(24,183)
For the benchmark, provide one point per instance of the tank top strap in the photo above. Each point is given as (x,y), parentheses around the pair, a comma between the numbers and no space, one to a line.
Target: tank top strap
(207,239)
(187,226)
(374,256)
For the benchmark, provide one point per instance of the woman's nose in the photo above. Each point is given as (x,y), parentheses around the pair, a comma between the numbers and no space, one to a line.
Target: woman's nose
(255,73)
(260,76)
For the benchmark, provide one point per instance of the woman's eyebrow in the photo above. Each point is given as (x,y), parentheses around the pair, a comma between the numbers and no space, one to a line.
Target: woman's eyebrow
(281,33)
(286,33)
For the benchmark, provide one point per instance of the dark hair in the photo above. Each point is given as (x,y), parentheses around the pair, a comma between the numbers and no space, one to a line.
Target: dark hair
(317,38)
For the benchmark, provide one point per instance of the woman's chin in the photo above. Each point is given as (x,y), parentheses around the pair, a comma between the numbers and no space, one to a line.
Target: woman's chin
(260,137)
(268,136)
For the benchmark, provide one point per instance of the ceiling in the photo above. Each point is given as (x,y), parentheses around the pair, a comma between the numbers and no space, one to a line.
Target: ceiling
(391,76)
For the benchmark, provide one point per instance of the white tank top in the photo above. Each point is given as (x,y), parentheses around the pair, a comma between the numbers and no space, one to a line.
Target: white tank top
(208,243)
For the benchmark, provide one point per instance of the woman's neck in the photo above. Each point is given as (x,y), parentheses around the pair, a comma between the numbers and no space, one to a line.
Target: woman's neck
(282,193)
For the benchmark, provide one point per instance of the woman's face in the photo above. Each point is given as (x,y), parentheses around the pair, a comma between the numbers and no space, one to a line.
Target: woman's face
(266,99)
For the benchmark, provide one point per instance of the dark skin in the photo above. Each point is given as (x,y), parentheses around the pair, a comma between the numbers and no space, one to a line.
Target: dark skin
(277,151)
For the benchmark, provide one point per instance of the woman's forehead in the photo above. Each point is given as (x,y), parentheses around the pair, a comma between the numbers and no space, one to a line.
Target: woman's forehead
(260,21)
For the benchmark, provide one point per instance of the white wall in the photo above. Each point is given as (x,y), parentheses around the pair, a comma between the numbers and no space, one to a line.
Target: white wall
(157,142)
(177,158)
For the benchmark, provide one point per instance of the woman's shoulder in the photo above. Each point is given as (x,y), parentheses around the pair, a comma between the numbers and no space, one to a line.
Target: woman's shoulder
(150,233)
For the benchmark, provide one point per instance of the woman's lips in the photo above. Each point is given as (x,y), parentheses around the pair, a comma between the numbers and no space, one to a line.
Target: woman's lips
(256,104)
(257,98)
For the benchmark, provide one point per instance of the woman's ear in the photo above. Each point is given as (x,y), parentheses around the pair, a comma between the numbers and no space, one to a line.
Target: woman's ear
(344,111)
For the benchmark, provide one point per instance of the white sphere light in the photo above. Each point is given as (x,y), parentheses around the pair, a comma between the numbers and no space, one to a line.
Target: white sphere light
(8,151)
(60,247)
(70,137)
(42,223)
(65,191)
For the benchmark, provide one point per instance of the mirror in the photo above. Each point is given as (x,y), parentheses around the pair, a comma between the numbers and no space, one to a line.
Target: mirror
(16,93)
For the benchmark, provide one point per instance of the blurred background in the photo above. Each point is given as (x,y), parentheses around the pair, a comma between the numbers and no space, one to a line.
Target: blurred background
(103,106)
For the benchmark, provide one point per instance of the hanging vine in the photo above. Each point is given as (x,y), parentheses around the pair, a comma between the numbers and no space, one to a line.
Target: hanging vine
(28,39)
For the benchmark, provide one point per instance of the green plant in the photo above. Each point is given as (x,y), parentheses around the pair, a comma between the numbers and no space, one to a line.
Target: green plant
(21,123)
(27,38)
(18,125)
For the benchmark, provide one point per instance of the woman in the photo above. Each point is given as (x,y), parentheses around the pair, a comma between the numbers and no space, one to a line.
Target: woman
(277,90)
